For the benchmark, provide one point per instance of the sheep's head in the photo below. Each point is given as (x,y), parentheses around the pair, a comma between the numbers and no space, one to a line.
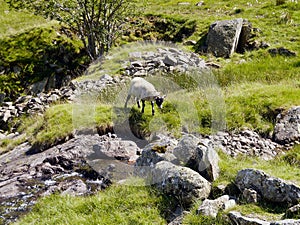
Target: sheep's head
(159,101)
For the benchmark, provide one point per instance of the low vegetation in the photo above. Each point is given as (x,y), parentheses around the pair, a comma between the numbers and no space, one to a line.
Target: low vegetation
(119,204)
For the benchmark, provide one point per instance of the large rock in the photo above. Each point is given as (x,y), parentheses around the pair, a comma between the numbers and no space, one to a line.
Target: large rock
(223,37)
(270,188)
(199,155)
(181,182)
(287,128)
(115,149)
(156,151)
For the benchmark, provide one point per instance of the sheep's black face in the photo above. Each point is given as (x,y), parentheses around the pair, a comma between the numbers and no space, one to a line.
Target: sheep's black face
(159,101)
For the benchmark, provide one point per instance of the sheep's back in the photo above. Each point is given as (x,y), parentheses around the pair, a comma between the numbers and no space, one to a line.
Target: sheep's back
(142,89)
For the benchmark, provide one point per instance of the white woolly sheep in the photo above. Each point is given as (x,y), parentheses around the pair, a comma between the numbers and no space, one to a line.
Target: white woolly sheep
(144,91)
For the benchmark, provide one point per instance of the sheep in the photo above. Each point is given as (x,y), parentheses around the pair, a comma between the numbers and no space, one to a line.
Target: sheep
(144,91)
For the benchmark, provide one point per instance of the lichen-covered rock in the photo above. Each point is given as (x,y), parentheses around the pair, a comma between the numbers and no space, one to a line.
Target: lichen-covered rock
(270,188)
(287,128)
(181,182)
(199,155)
(223,36)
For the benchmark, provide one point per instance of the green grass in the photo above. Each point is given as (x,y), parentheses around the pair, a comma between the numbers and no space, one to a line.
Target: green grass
(254,86)
(13,22)
(251,105)
(124,204)
(256,105)
(277,168)
(61,120)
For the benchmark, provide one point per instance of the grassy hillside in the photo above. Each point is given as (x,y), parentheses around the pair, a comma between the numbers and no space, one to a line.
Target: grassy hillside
(255,86)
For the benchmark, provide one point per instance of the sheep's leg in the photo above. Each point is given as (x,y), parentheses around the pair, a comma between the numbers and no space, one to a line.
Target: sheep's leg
(128,97)
(152,104)
(138,103)
(143,105)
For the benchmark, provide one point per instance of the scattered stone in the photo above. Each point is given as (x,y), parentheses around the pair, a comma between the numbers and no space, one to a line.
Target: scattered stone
(201,3)
(246,142)
(270,188)
(189,42)
(212,207)
(184,3)
(286,222)
(281,51)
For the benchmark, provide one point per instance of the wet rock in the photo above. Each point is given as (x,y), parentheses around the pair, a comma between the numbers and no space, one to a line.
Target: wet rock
(64,168)
(74,188)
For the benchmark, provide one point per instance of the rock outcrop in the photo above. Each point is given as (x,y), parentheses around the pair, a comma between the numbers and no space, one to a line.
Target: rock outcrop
(80,166)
